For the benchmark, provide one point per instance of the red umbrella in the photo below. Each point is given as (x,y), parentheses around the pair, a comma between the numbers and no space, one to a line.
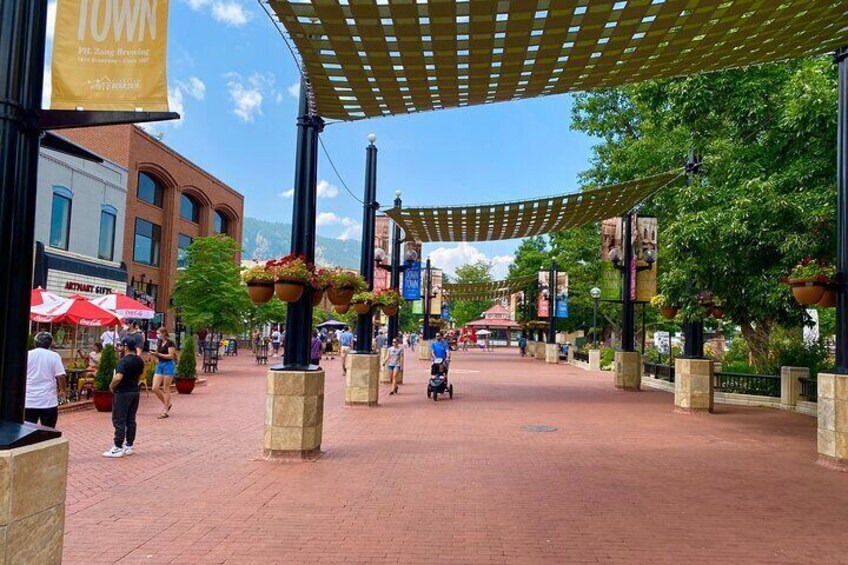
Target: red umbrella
(75,310)
(39,297)
(124,307)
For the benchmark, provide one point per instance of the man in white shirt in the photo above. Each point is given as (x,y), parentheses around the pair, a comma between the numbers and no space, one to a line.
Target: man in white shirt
(42,395)
(110,337)
(276,339)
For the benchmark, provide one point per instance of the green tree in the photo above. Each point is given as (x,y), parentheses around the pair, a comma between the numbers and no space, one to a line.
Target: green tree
(464,311)
(208,291)
(766,194)
(105,369)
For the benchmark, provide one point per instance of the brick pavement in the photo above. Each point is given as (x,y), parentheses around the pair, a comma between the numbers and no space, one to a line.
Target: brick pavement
(623,479)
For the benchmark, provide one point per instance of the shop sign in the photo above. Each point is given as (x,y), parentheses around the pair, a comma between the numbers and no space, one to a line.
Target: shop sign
(89,288)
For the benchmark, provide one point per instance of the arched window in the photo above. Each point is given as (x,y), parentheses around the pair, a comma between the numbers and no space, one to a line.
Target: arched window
(150,190)
(222,223)
(60,217)
(189,209)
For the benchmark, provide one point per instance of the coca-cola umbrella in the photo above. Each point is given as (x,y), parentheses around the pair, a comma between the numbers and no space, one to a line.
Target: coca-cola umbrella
(39,297)
(124,307)
(75,310)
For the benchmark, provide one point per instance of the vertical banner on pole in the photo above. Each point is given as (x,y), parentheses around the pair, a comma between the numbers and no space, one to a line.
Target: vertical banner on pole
(646,239)
(110,55)
(418,306)
(610,277)
(436,301)
(562,296)
(514,300)
(381,241)
(543,304)
(412,281)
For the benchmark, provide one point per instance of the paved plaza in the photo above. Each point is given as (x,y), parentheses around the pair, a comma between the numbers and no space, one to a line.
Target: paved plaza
(622,479)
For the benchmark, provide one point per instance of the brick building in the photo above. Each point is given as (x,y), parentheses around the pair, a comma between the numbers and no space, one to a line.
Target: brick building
(170,201)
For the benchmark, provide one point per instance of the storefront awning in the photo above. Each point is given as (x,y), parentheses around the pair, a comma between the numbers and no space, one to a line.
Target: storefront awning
(512,220)
(372,58)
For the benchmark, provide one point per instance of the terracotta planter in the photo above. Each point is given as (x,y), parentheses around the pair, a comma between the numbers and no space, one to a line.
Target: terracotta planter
(342,308)
(389,310)
(668,312)
(807,291)
(102,400)
(828,299)
(289,290)
(718,312)
(260,292)
(185,386)
(340,296)
(362,308)
(317,296)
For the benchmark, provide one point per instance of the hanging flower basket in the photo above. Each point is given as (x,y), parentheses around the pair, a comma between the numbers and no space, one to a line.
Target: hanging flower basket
(342,308)
(668,312)
(361,308)
(718,312)
(260,292)
(389,301)
(317,296)
(389,310)
(828,299)
(809,280)
(342,285)
(289,290)
(340,296)
(807,291)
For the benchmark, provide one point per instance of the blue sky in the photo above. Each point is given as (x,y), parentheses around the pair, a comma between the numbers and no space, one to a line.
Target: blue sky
(235,84)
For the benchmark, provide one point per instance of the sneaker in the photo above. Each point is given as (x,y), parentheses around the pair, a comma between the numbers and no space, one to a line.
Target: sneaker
(114,452)
(128,450)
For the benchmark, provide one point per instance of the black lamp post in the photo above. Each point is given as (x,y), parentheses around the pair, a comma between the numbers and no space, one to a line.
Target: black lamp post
(693,330)
(365,322)
(396,268)
(841,59)
(595,293)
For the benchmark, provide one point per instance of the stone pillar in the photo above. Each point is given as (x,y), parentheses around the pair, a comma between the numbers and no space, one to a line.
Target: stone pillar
(693,385)
(32,502)
(551,353)
(424,350)
(540,351)
(594,359)
(362,383)
(833,420)
(628,370)
(294,414)
(570,357)
(384,373)
(790,386)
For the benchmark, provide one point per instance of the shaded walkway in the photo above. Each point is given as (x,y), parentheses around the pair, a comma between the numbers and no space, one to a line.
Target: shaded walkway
(413,481)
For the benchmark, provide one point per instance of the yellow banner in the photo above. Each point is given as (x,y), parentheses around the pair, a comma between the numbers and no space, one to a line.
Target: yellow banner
(110,55)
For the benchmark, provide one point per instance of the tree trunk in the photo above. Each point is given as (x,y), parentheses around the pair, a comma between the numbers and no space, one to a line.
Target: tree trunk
(756,334)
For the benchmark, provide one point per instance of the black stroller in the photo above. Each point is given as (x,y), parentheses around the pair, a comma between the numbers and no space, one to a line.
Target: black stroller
(439,380)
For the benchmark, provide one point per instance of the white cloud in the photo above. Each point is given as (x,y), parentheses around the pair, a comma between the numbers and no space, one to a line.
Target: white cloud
(248,94)
(197,4)
(353,231)
(327,190)
(195,88)
(449,258)
(287,194)
(351,227)
(230,13)
(51,19)
(175,104)
(47,91)
(294,90)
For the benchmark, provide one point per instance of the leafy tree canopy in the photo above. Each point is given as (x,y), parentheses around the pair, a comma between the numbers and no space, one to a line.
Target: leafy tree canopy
(464,311)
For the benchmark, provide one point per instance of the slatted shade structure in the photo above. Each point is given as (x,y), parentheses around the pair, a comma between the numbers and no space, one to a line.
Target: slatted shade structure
(510,220)
(487,290)
(367,58)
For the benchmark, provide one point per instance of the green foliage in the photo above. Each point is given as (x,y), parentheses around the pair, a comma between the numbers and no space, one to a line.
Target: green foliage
(607,358)
(106,368)
(464,311)
(274,312)
(149,371)
(209,293)
(187,364)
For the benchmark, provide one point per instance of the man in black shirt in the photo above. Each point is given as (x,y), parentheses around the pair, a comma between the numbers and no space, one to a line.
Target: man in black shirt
(124,385)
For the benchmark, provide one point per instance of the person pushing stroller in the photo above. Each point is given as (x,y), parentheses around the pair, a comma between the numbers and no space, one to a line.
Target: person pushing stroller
(439,362)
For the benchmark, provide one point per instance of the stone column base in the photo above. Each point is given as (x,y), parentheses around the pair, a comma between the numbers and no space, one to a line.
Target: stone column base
(424,350)
(551,353)
(594,359)
(539,351)
(693,386)
(362,383)
(384,373)
(833,420)
(32,511)
(628,370)
(790,386)
(294,414)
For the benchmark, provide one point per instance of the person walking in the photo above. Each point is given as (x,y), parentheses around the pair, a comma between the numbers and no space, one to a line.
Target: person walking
(166,368)
(394,363)
(44,369)
(345,343)
(522,345)
(110,337)
(315,349)
(276,339)
(124,387)
(134,339)
(380,340)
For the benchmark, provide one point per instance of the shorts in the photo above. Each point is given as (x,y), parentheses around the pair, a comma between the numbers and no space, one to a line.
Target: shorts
(393,367)
(275,345)
(345,349)
(167,368)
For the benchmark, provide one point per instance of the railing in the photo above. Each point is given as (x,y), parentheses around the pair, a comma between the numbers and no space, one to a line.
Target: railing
(658,371)
(809,389)
(581,356)
(741,383)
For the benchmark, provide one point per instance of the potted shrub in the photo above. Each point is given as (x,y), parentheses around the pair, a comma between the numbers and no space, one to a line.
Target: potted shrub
(292,273)
(343,285)
(260,283)
(321,281)
(186,376)
(666,309)
(810,279)
(389,301)
(102,396)
(362,302)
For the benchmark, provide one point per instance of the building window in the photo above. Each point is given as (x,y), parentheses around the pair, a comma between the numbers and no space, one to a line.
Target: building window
(60,219)
(108,220)
(149,190)
(183,241)
(148,241)
(222,224)
(189,209)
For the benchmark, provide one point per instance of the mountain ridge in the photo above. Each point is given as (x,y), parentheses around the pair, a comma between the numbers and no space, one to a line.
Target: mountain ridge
(263,240)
